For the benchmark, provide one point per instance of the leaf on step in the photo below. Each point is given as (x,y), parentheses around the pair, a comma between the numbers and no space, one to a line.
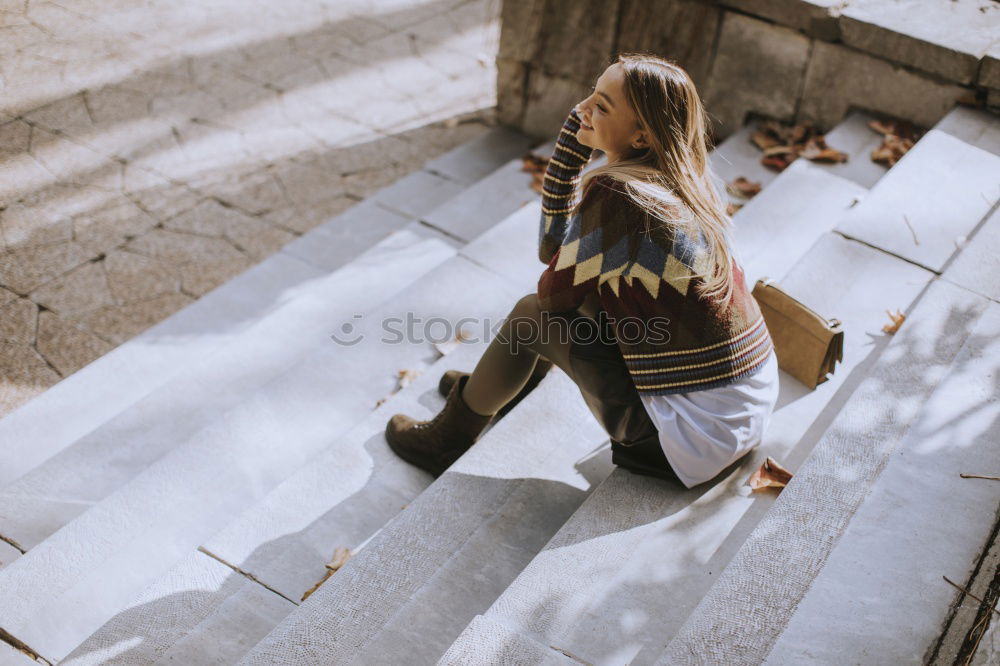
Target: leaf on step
(891,150)
(897,318)
(769,475)
(776,162)
(882,125)
(781,149)
(536,166)
(450,345)
(783,144)
(305,595)
(763,140)
(896,127)
(741,187)
(406,377)
(533,163)
(732,208)
(816,150)
(898,136)
(784,133)
(538,183)
(340,558)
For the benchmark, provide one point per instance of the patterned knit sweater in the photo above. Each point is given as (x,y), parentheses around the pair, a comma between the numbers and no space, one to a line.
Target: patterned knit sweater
(672,340)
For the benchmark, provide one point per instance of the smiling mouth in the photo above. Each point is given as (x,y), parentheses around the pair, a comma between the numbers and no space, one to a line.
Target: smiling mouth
(585,125)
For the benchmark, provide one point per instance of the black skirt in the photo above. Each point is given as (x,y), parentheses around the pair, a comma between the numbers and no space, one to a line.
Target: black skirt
(607,387)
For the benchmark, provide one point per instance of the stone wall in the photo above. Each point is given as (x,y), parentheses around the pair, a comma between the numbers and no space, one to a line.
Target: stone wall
(792,60)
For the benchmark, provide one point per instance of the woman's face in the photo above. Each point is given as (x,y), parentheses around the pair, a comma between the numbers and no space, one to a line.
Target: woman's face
(609,124)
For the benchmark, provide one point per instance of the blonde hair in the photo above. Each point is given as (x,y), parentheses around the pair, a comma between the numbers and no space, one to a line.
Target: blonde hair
(671,179)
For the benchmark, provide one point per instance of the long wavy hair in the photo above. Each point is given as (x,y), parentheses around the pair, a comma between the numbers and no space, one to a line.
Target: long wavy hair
(671,179)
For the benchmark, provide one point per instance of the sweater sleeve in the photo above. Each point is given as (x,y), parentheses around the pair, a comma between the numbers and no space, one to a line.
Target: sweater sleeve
(559,186)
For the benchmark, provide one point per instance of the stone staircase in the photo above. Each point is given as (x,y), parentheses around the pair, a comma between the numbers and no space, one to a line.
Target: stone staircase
(172,501)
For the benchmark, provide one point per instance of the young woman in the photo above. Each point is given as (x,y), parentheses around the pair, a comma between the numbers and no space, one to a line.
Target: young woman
(642,302)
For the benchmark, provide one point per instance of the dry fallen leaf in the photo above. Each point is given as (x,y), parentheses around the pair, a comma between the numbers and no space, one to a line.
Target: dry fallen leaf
(783,144)
(340,557)
(898,136)
(762,140)
(897,318)
(406,377)
(534,163)
(741,187)
(816,150)
(891,150)
(536,166)
(769,475)
(776,162)
(780,150)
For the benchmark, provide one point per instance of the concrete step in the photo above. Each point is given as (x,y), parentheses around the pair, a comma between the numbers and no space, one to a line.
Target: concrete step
(646,551)
(779,225)
(443,560)
(853,136)
(510,249)
(846,567)
(505,190)
(977,265)
(201,611)
(493,643)
(109,385)
(284,540)
(973,126)
(65,485)
(54,420)
(936,194)
(83,575)
(47,497)
(280,544)
(880,596)
(502,192)
(738,156)
(478,159)
(343,497)
(8,554)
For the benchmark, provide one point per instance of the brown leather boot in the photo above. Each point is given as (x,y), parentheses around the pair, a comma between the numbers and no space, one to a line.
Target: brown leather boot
(542,367)
(434,445)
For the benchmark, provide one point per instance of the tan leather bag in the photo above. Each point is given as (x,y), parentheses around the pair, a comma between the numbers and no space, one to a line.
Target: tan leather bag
(808,346)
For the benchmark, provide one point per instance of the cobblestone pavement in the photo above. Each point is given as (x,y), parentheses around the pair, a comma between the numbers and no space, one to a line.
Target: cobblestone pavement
(150,151)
